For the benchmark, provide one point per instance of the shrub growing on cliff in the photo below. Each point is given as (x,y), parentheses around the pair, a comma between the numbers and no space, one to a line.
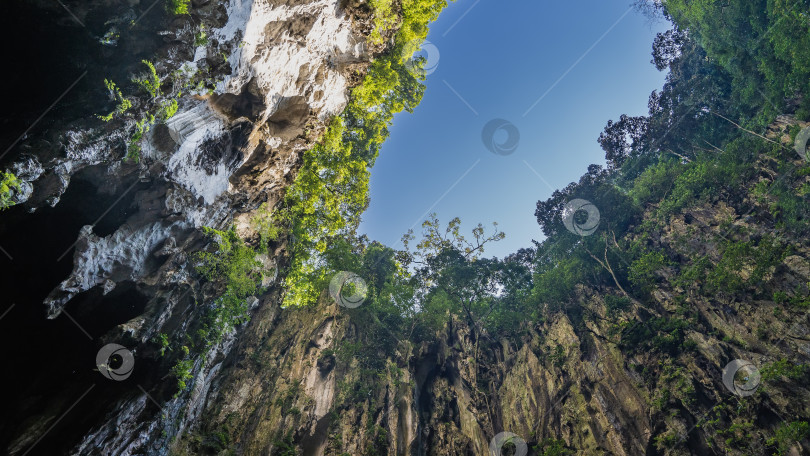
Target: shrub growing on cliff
(122,104)
(177,6)
(265,223)
(553,447)
(168,109)
(8,185)
(643,271)
(234,264)
(150,82)
(784,369)
(787,434)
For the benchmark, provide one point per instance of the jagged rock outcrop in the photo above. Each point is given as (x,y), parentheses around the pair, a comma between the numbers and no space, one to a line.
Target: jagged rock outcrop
(253,92)
(295,384)
(253,84)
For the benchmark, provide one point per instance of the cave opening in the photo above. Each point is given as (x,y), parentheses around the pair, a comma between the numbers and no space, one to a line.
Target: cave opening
(56,64)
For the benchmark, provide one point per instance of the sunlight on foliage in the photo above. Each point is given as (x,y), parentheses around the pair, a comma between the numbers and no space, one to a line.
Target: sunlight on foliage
(122,104)
(234,265)
(9,184)
(177,6)
(331,188)
(150,82)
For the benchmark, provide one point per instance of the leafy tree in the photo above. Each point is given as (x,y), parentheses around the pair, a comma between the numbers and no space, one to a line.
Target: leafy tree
(620,139)
(667,48)
(596,186)
(762,44)
(331,187)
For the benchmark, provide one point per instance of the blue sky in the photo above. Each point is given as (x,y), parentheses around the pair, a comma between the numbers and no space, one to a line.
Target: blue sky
(496,60)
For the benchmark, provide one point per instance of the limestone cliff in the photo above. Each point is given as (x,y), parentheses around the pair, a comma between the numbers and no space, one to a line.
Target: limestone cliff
(242,89)
(245,88)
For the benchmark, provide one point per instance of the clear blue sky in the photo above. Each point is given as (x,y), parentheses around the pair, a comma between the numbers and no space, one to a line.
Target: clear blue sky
(501,58)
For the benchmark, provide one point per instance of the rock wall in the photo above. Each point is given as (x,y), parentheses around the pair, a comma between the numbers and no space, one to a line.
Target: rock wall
(293,385)
(254,82)
(253,94)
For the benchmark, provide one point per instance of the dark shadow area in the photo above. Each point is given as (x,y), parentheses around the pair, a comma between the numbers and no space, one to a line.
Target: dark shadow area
(50,364)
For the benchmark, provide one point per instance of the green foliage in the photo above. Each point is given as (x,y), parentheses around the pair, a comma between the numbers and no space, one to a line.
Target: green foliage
(168,109)
(182,370)
(738,434)
(452,280)
(330,190)
(134,146)
(177,6)
(412,17)
(266,224)
(284,445)
(122,104)
(668,439)
(787,204)
(150,82)
(234,265)
(557,357)
(664,335)
(385,18)
(756,257)
(615,304)
(416,15)
(787,434)
(763,45)
(784,369)
(798,298)
(553,447)
(655,181)
(163,340)
(706,176)
(201,37)
(9,184)
(643,270)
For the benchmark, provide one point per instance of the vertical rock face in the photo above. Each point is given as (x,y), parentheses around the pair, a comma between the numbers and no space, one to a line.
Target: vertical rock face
(589,380)
(253,92)
(280,78)
(254,86)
